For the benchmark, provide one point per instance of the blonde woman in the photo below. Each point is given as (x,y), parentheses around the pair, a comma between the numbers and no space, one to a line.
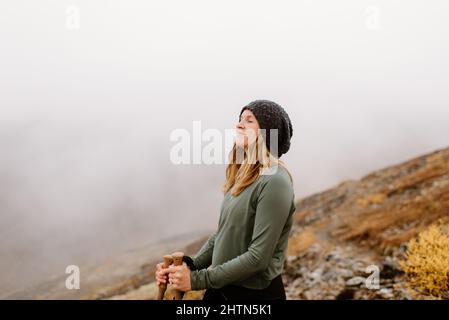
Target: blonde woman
(244,258)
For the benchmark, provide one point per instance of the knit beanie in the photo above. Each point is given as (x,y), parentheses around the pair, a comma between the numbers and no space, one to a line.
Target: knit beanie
(270,115)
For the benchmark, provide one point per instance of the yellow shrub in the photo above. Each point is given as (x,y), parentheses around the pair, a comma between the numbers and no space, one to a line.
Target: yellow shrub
(427,261)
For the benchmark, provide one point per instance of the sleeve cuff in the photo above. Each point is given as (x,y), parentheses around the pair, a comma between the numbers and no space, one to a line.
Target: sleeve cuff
(198,279)
(190,262)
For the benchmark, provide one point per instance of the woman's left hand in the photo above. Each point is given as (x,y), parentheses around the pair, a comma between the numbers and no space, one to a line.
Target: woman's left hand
(179,277)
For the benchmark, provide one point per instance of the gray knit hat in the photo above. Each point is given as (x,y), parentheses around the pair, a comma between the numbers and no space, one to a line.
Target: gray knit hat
(270,115)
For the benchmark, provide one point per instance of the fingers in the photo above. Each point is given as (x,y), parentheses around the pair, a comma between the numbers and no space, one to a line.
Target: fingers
(161,280)
(161,275)
(175,278)
(159,266)
(172,268)
(174,274)
(163,272)
(175,282)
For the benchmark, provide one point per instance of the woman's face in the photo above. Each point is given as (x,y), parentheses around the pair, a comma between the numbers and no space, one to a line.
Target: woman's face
(246,129)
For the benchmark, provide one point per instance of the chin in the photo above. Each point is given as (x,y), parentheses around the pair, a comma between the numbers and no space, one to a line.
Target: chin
(240,142)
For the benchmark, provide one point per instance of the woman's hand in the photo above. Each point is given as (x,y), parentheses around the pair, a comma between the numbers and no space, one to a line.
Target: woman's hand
(178,277)
(160,276)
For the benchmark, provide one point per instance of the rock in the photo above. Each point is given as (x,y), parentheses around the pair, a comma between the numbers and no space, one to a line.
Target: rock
(386,293)
(390,268)
(308,295)
(359,268)
(316,275)
(345,273)
(290,259)
(356,281)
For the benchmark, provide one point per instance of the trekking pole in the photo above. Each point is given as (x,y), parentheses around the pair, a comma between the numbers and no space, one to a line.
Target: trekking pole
(168,260)
(177,261)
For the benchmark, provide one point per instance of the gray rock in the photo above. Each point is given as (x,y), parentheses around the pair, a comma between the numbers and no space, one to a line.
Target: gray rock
(356,281)
(386,293)
(316,275)
(345,273)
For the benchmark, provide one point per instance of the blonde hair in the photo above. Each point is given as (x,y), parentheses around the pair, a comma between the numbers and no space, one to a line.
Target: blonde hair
(247,164)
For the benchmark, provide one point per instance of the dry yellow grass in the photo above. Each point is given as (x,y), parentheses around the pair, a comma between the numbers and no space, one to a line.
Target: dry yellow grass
(301,242)
(371,199)
(427,261)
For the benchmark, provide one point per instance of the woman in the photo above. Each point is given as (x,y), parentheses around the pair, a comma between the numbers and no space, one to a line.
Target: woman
(244,258)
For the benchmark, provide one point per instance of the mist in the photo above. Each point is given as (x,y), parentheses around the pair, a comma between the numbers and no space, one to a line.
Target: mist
(91,90)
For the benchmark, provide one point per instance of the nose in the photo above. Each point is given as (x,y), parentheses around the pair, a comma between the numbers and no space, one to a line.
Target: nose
(240,125)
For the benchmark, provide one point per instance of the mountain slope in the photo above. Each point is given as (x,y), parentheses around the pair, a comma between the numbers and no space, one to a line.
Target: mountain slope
(362,224)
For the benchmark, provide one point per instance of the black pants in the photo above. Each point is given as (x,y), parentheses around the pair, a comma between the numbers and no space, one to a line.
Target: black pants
(275,291)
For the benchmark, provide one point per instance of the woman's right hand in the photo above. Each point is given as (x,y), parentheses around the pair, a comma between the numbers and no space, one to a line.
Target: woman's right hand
(161,277)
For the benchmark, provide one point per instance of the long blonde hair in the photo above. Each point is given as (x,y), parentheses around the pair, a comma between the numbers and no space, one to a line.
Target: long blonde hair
(246,164)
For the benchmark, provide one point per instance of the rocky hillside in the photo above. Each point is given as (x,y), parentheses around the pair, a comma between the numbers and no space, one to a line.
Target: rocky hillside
(343,236)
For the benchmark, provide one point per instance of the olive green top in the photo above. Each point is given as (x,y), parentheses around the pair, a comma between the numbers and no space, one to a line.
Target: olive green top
(248,249)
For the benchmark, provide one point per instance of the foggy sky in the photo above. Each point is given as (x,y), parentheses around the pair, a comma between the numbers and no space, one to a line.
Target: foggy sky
(86,113)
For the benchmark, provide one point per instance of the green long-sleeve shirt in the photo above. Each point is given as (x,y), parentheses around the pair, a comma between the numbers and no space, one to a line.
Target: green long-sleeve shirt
(248,248)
